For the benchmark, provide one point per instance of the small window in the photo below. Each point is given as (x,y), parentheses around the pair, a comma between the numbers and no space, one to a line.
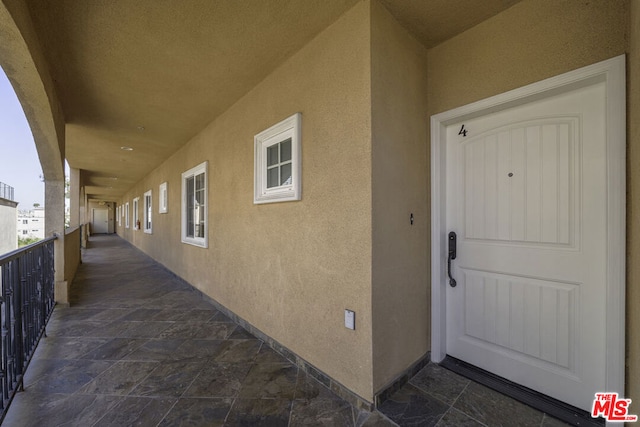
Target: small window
(126,215)
(147,212)
(136,214)
(194,206)
(25,221)
(277,176)
(24,231)
(163,196)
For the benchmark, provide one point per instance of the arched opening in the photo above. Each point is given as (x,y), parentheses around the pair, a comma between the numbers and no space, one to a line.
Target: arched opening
(24,65)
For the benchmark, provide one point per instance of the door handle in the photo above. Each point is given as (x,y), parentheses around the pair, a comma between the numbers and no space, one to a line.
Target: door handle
(452,255)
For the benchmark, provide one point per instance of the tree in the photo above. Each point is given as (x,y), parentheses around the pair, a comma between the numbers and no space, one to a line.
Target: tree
(27,241)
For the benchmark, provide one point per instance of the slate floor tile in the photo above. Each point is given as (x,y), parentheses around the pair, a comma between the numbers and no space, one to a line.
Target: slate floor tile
(270,380)
(200,350)
(114,349)
(259,412)
(549,421)
(198,330)
(268,355)
(240,333)
(493,408)
(410,406)
(156,350)
(169,379)
(197,413)
(238,351)
(136,411)
(67,347)
(198,315)
(375,419)
(219,380)
(142,314)
(321,412)
(440,382)
(41,410)
(72,328)
(308,388)
(120,378)
(69,377)
(455,418)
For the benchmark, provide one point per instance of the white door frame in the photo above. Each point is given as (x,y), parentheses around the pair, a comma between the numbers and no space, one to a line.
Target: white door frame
(612,73)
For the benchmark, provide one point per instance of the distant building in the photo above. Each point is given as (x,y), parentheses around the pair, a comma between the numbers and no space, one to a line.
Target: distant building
(8,215)
(31,223)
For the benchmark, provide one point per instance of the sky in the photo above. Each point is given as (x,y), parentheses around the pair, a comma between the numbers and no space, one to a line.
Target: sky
(19,163)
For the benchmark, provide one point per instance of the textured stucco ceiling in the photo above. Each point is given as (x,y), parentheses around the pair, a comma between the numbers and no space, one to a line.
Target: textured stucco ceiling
(150,74)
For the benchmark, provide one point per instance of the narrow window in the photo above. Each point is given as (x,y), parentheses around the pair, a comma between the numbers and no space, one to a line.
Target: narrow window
(147,212)
(194,206)
(136,214)
(126,215)
(163,195)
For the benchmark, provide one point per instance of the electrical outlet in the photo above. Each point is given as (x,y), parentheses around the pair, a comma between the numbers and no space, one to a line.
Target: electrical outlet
(349,319)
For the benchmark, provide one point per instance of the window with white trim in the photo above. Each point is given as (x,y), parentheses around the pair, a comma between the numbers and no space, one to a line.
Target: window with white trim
(118,216)
(194,206)
(126,215)
(163,203)
(147,212)
(277,166)
(136,214)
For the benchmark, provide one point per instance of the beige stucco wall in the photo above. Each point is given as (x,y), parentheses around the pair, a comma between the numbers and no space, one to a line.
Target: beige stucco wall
(400,183)
(533,40)
(633,208)
(290,268)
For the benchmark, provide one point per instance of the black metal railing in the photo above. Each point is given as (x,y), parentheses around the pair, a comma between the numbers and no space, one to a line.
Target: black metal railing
(26,303)
(6,191)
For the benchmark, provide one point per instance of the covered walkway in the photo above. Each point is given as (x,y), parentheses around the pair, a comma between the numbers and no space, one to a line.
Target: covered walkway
(140,347)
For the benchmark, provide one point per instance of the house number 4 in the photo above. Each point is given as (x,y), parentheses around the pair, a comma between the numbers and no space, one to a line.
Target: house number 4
(463,131)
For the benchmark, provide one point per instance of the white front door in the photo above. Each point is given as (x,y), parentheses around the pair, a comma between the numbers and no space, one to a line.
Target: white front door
(527,196)
(100,221)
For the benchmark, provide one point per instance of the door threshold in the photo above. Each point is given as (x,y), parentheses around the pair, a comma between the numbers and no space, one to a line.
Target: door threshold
(553,407)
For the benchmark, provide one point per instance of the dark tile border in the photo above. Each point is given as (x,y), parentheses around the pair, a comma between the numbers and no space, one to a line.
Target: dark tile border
(402,379)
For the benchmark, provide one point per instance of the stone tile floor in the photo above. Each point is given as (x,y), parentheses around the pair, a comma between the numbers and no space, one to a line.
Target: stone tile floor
(138,347)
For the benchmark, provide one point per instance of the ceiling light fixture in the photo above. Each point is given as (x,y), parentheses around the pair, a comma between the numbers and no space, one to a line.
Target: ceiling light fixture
(125,148)
(140,128)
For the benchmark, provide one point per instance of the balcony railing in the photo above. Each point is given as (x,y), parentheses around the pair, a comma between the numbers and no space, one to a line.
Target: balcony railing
(26,304)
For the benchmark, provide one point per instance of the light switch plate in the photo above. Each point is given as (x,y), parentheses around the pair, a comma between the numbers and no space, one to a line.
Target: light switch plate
(349,319)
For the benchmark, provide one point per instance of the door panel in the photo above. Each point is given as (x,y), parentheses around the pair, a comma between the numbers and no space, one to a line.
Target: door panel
(100,221)
(526,194)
